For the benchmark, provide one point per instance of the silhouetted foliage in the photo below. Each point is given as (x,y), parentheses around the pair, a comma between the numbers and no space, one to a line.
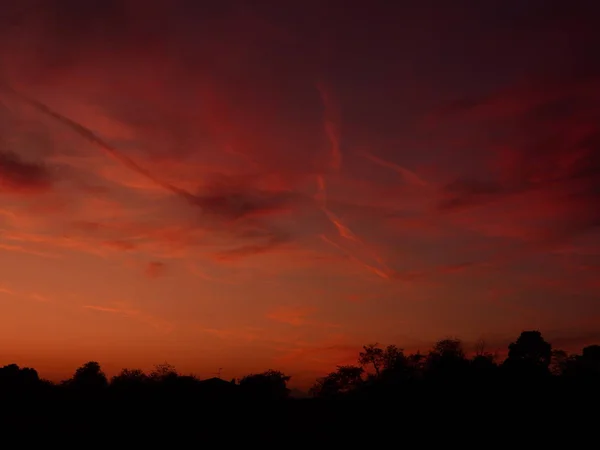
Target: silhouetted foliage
(558,361)
(529,357)
(447,361)
(344,380)
(130,380)
(483,365)
(585,367)
(163,373)
(271,384)
(16,379)
(372,355)
(533,381)
(88,377)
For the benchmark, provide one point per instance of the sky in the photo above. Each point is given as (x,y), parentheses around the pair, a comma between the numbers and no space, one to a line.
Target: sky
(254,185)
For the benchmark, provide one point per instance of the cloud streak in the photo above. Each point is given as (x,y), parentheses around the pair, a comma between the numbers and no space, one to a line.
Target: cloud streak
(407,175)
(87,134)
(22,177)
(134,314)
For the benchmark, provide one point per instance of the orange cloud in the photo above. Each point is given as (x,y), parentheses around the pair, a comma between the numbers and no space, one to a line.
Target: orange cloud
(135,314)
(24,294)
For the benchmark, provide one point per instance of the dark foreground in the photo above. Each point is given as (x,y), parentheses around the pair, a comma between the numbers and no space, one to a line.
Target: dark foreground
(488,416)
(536,397)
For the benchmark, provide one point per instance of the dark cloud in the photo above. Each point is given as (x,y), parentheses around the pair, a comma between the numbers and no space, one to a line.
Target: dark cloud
(548,135)
(19,176)
(237,205)
(546,163)
(265,240)
(539,145)
(230,201)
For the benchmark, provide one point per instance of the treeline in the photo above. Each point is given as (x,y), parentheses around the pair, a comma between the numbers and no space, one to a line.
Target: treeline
(90,382)
(530,359)
(444,387)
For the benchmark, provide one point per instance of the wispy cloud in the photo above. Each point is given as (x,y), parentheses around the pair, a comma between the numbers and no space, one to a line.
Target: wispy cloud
(332,125)
(134,314)
(24,295)
(407,175)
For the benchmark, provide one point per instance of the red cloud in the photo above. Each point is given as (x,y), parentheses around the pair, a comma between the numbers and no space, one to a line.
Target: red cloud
(21,177)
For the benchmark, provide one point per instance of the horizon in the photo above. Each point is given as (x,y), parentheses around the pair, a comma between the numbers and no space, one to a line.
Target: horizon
(302,381)
(254,186)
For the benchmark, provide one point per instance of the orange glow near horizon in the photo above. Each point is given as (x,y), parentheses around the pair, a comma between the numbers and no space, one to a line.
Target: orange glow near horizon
(254,188)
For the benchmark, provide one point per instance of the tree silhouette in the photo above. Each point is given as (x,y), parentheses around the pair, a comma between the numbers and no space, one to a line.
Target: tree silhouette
(530,355)
(326,387)
(449,348)
(89,377)
(129,380)
(10,372)
(558,361)
(16,379)
(531,347)
(396,366)
(372,355)
(393,358)
(389,363)
(163,373)
(591,353)
(483,363)
(584,367)
(590,362)
(416,362)
(480,347)
(344,380)
(447,360)
(270,384)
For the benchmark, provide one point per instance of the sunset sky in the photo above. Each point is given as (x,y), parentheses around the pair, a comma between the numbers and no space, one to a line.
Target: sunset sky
(270,184)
